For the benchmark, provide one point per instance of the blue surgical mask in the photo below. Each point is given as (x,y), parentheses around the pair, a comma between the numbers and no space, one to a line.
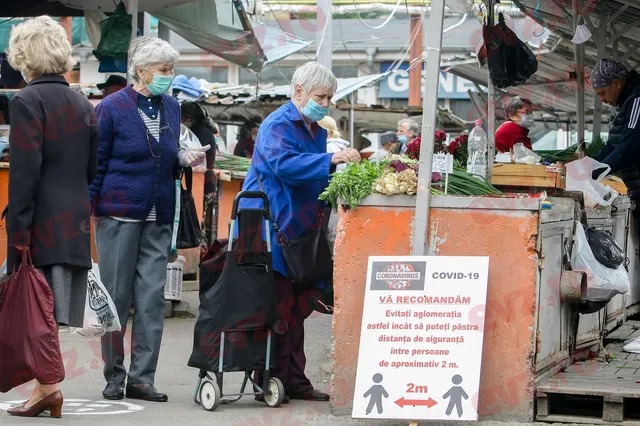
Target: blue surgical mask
(160,84)
(9,95)
(24,77)
(314,111)
(403,139)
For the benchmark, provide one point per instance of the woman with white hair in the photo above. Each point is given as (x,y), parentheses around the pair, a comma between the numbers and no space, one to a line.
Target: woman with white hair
(133,198)
(53,141)
(291,165)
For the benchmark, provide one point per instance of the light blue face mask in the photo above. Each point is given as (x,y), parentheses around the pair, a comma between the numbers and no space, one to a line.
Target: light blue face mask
(160,84)
(9,95)
(403,139)
(24,77)
(314,111)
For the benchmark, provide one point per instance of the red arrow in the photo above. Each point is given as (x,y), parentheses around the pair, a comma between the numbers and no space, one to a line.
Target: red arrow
(415,402)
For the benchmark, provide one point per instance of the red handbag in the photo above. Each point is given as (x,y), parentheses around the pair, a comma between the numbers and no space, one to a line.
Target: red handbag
(29,342)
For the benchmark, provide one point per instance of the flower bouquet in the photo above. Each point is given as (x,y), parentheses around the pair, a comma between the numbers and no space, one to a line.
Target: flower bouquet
(440,139)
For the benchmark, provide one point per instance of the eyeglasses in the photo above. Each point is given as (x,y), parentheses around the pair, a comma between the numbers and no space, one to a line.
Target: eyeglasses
(149,136)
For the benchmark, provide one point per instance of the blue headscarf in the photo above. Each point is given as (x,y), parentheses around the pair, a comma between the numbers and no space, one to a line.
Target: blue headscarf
(606,71)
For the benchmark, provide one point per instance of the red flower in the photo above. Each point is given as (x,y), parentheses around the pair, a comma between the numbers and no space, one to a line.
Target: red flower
(440,137)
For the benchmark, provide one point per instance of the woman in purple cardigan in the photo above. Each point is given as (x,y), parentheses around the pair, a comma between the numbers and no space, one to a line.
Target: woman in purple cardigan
(133,198)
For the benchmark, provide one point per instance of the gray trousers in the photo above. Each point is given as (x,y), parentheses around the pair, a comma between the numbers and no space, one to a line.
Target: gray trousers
(133,268)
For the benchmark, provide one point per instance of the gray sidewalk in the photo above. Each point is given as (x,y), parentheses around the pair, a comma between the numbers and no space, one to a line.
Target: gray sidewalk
(84,404)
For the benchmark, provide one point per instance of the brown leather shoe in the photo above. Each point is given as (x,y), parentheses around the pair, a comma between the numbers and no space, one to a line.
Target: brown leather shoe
(52,402)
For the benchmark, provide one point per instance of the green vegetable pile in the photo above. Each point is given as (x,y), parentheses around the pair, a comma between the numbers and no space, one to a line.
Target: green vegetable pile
(463,183)
(231,163)
(359,180)
(567,155)
(352,184)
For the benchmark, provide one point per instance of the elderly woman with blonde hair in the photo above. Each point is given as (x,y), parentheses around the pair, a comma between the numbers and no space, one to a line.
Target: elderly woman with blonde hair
(335,143)
(133,198)
(53,140)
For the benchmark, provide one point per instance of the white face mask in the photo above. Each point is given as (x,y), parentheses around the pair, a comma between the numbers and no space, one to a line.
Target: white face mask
(527,121)
(581,35)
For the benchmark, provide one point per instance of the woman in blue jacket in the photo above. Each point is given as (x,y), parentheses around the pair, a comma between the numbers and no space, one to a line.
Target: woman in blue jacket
(292,165)
(133,197)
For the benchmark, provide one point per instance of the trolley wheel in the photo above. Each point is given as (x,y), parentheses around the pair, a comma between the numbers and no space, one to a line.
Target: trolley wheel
(210,395)
(274,396)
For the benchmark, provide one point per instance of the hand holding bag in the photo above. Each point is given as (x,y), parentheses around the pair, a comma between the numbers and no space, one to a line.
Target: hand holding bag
(189,232)
(29,343)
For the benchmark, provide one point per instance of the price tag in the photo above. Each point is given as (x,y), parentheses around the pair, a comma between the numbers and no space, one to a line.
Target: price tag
(442,163)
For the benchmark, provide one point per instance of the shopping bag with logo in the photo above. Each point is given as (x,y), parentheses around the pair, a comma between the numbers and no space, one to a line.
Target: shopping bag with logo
(100,314)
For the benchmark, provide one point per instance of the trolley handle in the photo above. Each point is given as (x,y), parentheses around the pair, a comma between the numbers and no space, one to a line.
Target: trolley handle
(250,194)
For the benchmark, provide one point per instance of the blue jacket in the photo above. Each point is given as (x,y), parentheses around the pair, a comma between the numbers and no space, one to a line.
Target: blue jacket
(294,168)
(134,171)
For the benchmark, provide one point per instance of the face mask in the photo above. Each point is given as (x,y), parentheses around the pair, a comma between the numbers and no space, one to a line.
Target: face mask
(9,95)
(24,77)
(313,111)
(403,139)
(581,35)
(160,84)
(527,121)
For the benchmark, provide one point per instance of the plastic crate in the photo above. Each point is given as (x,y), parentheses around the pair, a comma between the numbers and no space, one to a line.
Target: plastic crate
(173,286)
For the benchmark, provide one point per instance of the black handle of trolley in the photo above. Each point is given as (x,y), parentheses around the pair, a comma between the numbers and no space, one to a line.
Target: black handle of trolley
(251,194)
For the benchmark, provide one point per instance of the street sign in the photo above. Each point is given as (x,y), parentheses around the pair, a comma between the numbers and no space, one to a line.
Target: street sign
(421,338)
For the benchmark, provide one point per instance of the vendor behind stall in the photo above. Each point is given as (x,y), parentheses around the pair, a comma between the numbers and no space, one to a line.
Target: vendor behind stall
(616,85)
(520,113)
(9,79)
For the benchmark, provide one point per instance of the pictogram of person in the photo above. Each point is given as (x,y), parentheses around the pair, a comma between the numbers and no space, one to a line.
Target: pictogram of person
(455,395)
(375,394)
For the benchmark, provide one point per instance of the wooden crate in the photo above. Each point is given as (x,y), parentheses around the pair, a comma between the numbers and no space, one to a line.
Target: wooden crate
(525,175)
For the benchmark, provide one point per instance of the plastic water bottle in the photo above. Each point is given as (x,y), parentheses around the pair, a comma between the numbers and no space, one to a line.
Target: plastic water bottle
(477,151)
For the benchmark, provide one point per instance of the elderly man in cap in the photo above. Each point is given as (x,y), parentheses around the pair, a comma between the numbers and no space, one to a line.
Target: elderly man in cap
(389,143)
(9,79)
(112,85)
(617,86)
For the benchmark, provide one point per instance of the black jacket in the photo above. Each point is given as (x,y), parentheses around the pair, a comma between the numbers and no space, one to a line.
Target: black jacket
(53,140)
(622,151)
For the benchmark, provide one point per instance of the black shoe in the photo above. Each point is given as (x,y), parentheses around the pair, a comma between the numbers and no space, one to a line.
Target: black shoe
(150,393)
(260,398)
(113,391)
(309,395)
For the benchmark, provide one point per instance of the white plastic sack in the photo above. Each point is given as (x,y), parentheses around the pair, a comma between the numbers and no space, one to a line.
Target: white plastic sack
(633,346)
(602,283)
(188,140)
(579,179)
(100,314)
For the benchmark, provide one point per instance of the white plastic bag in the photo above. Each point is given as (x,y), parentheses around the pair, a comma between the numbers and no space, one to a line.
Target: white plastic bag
(523,155)
(602,283)
(188,140)
(633,346)
(100,314)
(579,179)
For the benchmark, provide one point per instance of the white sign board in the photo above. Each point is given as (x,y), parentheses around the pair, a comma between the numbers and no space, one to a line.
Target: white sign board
(421,338)
(442,163)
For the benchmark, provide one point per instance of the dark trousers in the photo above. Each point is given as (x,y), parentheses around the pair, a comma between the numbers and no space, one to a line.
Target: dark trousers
(290,359)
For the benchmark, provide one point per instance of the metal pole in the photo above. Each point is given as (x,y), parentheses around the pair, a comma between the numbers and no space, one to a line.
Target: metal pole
(419,244)
(491,105)
(579,60)
(601,42)
(324,33)
(132,9)
(352,122)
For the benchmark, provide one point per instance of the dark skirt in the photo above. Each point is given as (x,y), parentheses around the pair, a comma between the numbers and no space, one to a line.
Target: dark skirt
(69,286)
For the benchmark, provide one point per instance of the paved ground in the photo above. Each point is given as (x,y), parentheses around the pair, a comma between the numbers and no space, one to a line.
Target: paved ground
(84,404)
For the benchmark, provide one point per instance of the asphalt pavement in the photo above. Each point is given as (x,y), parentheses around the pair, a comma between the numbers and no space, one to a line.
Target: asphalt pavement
(84,404)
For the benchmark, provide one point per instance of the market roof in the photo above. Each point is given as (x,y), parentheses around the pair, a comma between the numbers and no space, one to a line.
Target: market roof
(25,8)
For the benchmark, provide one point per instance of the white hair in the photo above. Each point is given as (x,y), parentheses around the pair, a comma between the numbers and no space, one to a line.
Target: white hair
(146,51)
(412,125)
(39,46)
(312,76)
